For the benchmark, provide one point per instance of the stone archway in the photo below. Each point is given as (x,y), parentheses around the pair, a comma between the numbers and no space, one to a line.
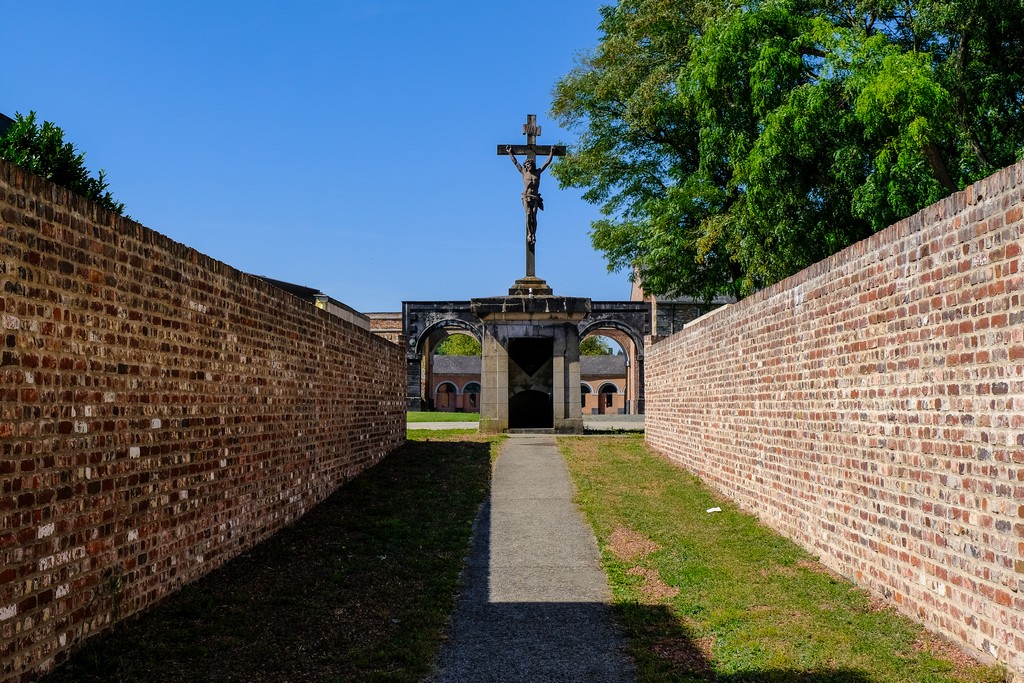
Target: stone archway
(424,325)
(626,324)
(438,368)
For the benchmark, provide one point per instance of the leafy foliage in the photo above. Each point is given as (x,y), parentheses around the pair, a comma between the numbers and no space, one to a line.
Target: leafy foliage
(731,144)
(42,150)
(595,345)
(458,345)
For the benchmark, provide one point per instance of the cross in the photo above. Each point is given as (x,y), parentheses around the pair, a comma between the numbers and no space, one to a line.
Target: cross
(531,150)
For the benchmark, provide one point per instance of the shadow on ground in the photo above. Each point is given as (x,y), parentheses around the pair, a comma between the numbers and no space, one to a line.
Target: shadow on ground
(666,652)
(495,640)
(358,589)
(361,589)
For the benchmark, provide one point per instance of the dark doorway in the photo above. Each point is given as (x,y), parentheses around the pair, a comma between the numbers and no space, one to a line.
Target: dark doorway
(530,353)
(471,394)
(530,383)
(606,394)
(530,410)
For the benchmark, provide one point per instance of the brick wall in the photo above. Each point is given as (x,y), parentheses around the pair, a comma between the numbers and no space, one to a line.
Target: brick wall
(871,407)
(389,326)
(160,412)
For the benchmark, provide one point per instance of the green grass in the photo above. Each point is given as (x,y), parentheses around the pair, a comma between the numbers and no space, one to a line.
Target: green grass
(424,416)
(751,605)
(438,434)
(360,589)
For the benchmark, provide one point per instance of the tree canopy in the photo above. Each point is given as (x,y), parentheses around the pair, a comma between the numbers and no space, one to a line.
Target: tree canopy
(595,345)
(731,144)
(458,345)
(42,150)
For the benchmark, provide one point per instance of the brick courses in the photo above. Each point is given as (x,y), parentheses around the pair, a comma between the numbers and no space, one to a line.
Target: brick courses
(160,412)
(871,407)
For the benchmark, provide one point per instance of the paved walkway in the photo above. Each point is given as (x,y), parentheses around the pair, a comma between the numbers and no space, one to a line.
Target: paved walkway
(534,605)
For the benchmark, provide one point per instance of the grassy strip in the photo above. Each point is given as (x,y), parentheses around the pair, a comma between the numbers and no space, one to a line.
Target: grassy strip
(359,589)
(424,416)
(439,434)
(719,597)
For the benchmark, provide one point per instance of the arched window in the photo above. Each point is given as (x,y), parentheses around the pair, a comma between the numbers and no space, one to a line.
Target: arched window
(445,396)
(608,392)
(471,392)
(584,390)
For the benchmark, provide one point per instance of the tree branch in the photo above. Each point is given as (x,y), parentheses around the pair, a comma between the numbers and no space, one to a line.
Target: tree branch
(931,150)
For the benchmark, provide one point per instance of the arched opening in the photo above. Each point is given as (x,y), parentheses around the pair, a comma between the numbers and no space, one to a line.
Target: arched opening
(600,345)
(530,382)
(450,354)
(471,397)
(612,353)
(610,401)
(603,360)
(585,393)
(446,397)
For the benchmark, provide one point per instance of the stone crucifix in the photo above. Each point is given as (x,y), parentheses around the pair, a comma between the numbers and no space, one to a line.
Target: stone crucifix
(532,200)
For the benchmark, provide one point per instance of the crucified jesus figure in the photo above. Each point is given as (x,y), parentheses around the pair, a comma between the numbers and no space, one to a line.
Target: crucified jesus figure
(531,190)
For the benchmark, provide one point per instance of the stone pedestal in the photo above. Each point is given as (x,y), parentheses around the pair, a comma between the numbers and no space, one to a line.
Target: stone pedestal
(530,286)
(530,374)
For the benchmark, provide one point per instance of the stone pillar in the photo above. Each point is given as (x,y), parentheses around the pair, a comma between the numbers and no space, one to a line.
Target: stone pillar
(641,407)
(493,385)
(530,374)
(414,383)
(567,378)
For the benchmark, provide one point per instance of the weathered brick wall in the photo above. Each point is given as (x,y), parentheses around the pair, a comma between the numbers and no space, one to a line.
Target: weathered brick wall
(389,326)
(160,412)
(871,407)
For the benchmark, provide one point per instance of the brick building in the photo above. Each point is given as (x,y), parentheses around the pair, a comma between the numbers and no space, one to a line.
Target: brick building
(456,384)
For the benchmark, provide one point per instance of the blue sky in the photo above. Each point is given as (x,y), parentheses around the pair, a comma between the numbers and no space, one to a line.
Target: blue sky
(348,146)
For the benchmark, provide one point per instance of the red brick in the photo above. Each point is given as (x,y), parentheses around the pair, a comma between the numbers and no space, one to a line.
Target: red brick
(180,324)
(829,419)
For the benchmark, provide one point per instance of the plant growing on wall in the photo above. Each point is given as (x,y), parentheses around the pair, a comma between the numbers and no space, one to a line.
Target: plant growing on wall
(42,150)
(732,144)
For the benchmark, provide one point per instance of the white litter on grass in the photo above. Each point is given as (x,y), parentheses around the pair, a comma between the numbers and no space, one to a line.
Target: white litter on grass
(714,509)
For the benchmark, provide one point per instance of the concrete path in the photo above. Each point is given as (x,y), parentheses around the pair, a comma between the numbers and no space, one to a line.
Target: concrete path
(534,605)
(598,423)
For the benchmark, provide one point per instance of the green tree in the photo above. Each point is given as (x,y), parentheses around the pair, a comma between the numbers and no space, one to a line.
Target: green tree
(42,150)
(595,346)
(731,144)
(458,345)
